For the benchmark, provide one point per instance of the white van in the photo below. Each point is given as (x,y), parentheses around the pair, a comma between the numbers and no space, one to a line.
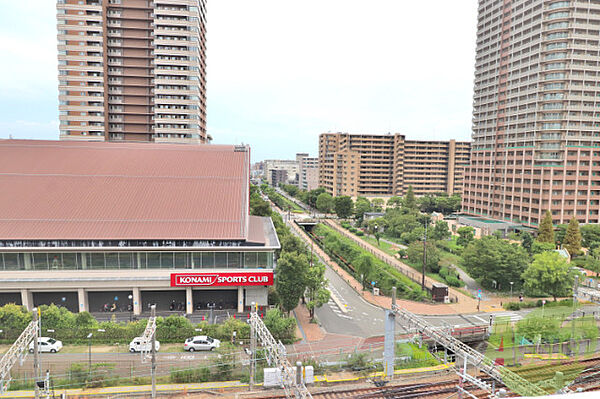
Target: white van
(46,344)
(136,345)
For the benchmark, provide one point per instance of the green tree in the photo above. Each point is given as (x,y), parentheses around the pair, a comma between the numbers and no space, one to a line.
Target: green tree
(291,243)
(526,241)
(491,259)
(548,274)
(316,288)
(546,230)
(364,267)
(465,236)
(415,256)
(378,204)
(572,240)
(410,202)
(258,206)
(593,261)
(325,203)
(361,206)
(590,234)
(539,247)
(312,196)
(290,280)
(394,202)
(440,231)
(344,206)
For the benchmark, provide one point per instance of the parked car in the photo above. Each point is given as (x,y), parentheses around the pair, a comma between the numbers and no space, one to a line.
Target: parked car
(201,343)
(47,344)
(137,345)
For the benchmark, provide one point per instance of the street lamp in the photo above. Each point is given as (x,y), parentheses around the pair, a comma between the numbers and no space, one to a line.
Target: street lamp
(130,306)
(89,337)
(511,285)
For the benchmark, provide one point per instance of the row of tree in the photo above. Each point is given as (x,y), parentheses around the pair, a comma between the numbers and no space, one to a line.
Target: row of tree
(344,207)
(298,276)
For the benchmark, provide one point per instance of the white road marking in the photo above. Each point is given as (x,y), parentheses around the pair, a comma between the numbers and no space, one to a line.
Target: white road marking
(480,319)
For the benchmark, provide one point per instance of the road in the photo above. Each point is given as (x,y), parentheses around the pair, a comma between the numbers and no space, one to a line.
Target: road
(351,314)
(124,363)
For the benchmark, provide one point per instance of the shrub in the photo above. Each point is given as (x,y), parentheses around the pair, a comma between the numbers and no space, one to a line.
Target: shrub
(360,233)
(512,306)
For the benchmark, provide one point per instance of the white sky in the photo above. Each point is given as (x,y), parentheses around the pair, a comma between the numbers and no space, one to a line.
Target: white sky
(280,72)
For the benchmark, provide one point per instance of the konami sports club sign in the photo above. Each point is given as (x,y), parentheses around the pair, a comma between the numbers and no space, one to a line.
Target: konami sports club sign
(220,279)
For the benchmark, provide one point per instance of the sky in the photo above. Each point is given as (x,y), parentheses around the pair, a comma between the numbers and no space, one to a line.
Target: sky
(281,72)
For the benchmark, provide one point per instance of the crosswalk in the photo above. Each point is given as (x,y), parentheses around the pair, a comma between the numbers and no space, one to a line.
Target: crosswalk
(512,316)
(335,308)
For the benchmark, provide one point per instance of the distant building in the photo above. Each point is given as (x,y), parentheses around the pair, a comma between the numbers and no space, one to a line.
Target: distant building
(308,172)
(376,165)
(277,177)
(289,165)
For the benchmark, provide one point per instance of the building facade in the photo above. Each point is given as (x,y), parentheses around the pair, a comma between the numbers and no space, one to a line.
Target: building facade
(289,165)
(386,165)
(132,70)
(308,172)
(536,136)
(159,223)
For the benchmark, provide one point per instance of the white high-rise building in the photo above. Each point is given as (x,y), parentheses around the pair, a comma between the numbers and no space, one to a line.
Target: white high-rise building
(536,112)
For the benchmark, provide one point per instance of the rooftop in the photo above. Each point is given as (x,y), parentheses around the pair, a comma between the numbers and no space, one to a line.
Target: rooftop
(61,190)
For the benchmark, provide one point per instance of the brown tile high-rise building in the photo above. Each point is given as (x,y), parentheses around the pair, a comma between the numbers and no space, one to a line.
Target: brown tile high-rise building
(536,113)
(132,70)
(373,165)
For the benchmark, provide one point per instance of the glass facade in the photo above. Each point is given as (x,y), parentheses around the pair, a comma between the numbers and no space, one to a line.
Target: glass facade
(135,260)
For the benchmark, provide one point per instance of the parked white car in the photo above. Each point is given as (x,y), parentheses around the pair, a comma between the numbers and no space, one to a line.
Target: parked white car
(137,345)
(201,343)
(47,344)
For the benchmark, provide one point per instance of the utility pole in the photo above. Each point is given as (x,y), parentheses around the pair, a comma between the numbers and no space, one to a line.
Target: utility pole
(424,257)
(252,349)
(153,349)
(36,354)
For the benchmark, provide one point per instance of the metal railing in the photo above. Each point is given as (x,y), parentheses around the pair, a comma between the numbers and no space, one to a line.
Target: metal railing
(17,352)
(501,374)
(276,354)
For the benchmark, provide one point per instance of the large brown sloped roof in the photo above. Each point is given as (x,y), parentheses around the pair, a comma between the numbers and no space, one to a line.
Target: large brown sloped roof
(58,190)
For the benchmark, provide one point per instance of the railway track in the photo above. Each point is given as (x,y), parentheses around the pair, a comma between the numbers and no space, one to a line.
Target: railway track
(441,389)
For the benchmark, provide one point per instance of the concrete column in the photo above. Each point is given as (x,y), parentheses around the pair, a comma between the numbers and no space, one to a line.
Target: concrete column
(27,299)
(189,300)
(137,301)
(240,307)
(83,300)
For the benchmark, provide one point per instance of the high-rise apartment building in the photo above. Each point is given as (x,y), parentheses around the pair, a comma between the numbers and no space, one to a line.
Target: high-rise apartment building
(132,70)
(385,165)
(536,125)
(308,172)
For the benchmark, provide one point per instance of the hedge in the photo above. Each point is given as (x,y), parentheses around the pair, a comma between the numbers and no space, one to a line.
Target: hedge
(73,328)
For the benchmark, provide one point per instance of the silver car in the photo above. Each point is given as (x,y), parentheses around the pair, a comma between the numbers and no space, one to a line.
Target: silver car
(201,343)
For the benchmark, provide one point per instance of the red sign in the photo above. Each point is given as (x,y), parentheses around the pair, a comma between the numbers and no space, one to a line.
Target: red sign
(220,279)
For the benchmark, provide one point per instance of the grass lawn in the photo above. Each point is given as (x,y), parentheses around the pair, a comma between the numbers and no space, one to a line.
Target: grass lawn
(384,246)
